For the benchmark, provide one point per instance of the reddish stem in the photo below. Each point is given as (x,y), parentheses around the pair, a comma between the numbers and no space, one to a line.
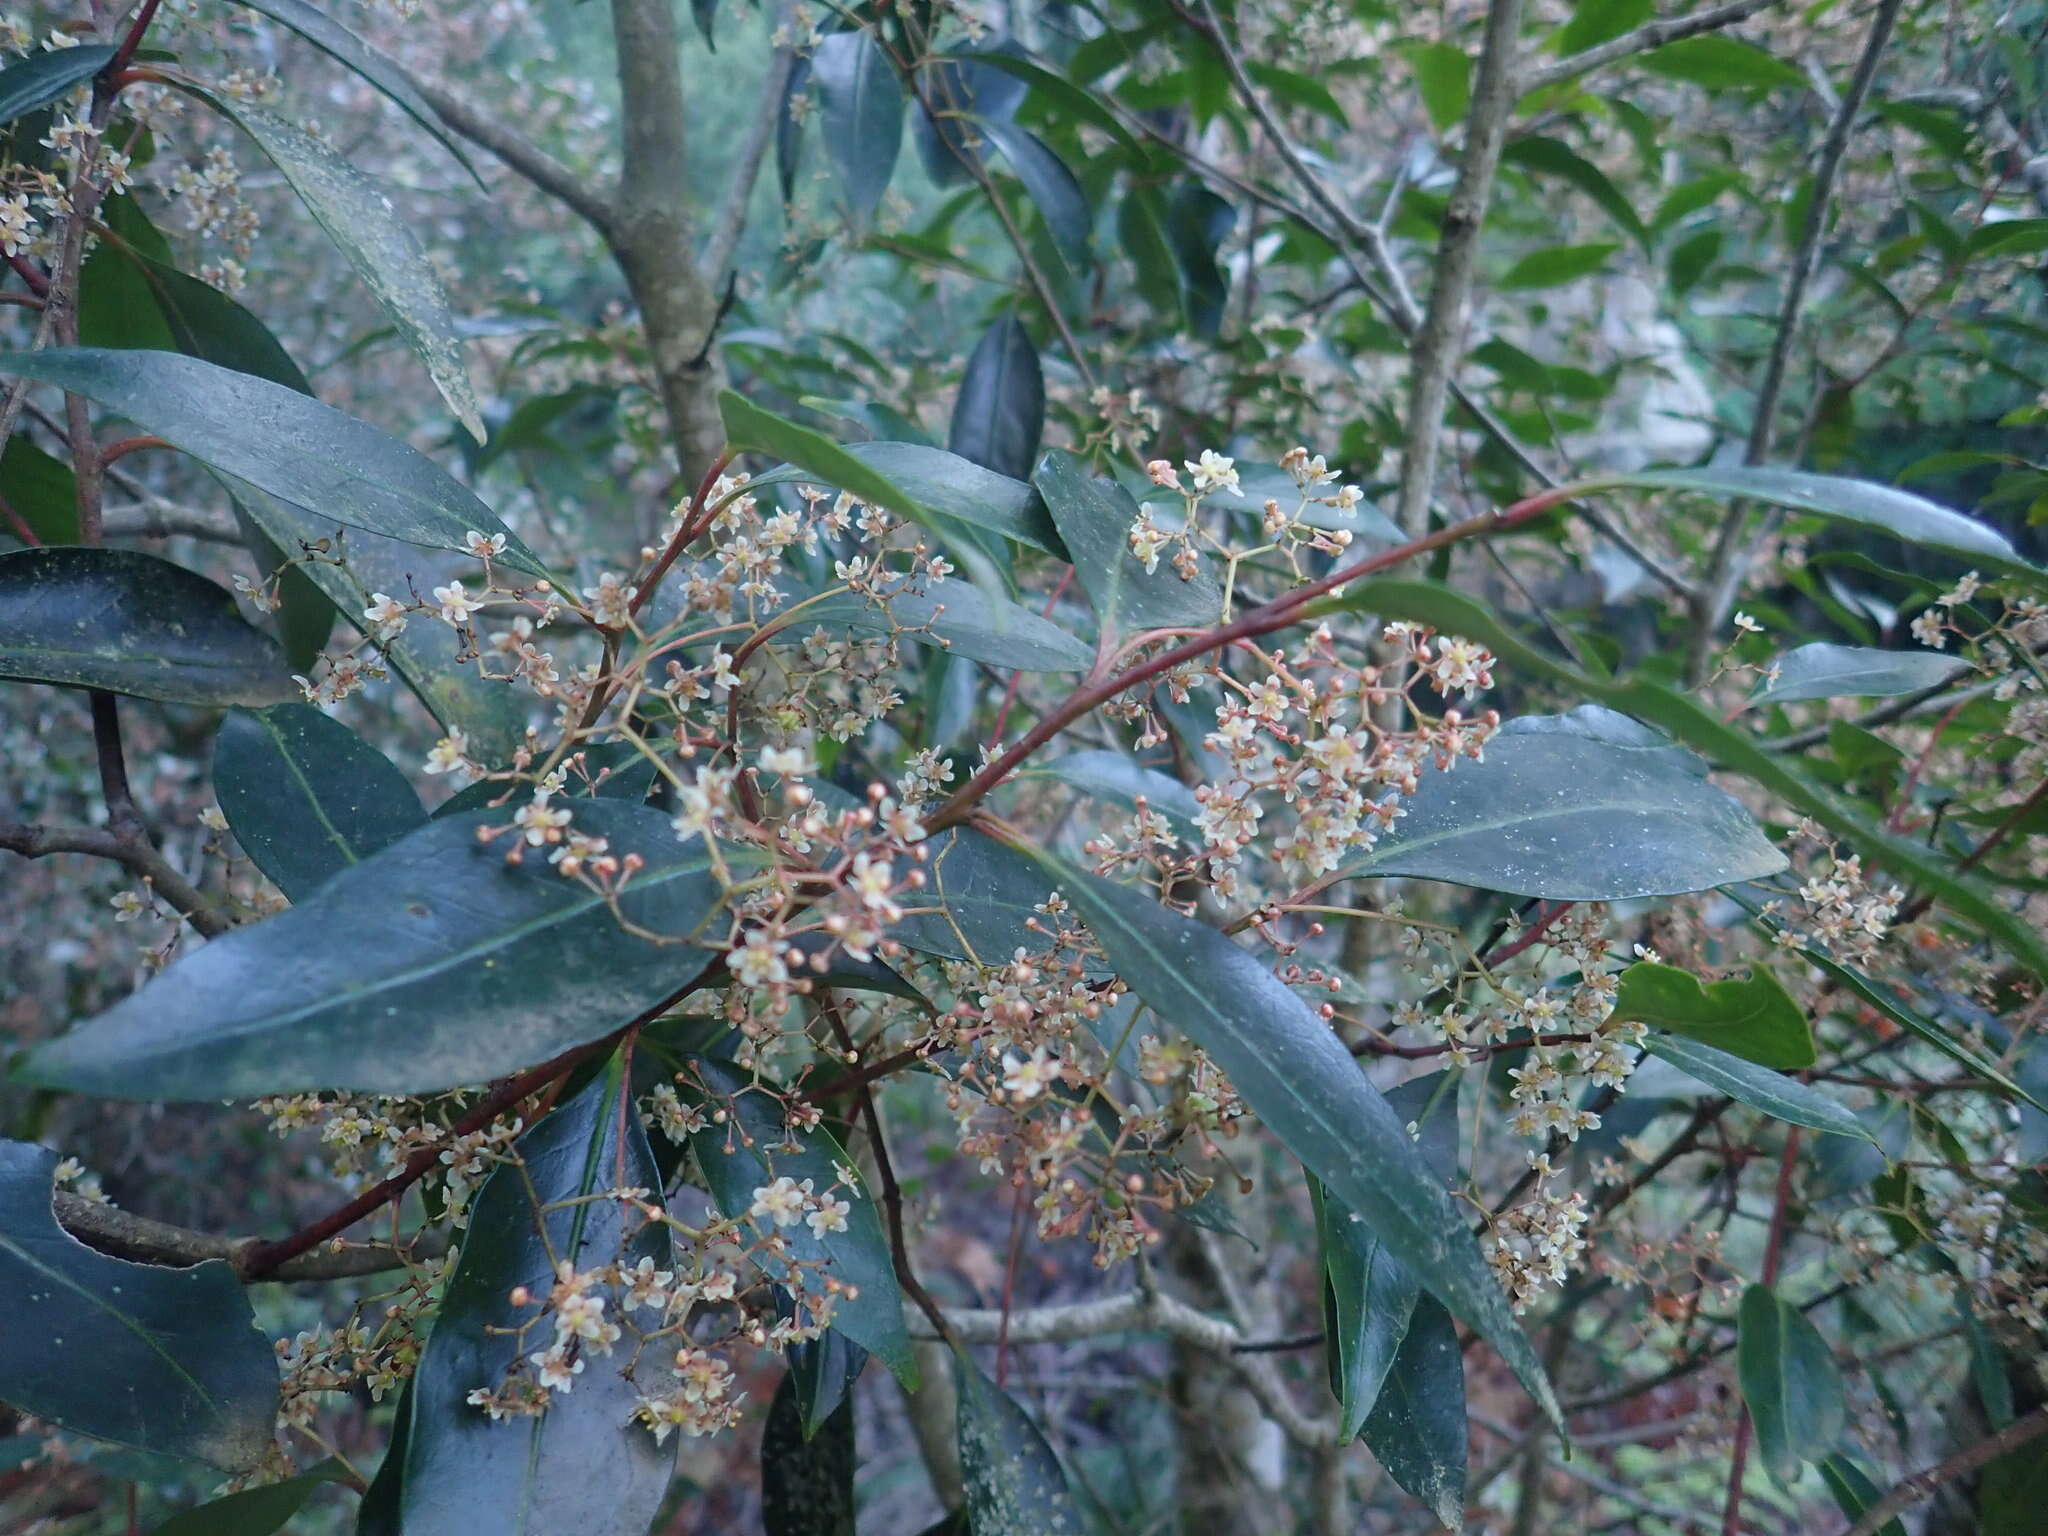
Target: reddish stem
(1774,1248)
(1535,932)
(693,526)
(125,54)
(19,525)
(128,445)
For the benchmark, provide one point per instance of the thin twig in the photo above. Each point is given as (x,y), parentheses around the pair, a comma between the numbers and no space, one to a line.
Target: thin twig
(730,222)
(124,1235)
(1922,1485)
(582,194)
(1655,34)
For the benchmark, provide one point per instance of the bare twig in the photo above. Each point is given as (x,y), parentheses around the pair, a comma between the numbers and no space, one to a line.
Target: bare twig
(731,219)
(1726,566)
(129,847)
(582,194)
(1438,342)
(158,519)
(125,1235)
(1654,34)
(1922,1485)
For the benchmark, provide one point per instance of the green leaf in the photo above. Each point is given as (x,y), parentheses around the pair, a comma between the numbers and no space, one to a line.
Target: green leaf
(947,484)
(1417,1425)
(1014,1483)
(789,129)
(1094,518)
(1298,90)
(309,455)
(1368,1305)
(1070,100)
(1598,21)
(758,1147)
(372,64)
(1722,63)
(581,1465)
(429,965)
(379,244)
(43,76)
(1790,1382)
(1783,1098)
(1755,1019)
(957,617)
(1854,1492)
(1691,258)
(960,87)
(41,489)
(305,796)
(254,1511)
(1825,671)
(979,901)
(1556,266)
(1886,1002)
(1296,1076)
(862,103)
(705,13)
(1443,75)
(806,1480)
(132,623)
(1914,519)
(1049,184)
(1141,228)
(1554,158)
(162,1360)
(1197,224)
(1115,776)
(1702,730)
(1587,806)
(999,414)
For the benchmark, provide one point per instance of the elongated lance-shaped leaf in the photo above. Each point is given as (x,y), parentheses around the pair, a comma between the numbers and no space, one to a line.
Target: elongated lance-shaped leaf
(1790,1382)
(374,65)
(862,103)
(1588,806)
(1297,1077)
(1823,671)
(380,245)
(1699,728)
(163,1360)
(806,1471)
(758,1147)
(132,623)
(429,965)
(305,796)
(1783,1098)
(581,1465)
(1116,776)
(43,76)
(979,902)
(1014,1483)
(258,1511)
(1094,518)
(999,414)
(1049,184)
(957,617)
(1417,1425)
(284,443)
(947,484)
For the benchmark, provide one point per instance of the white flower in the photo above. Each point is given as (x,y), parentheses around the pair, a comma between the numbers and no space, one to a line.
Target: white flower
(456,603)
(448,755)
(1025,1078)
(483,548)
(1213,472)
(830,1216)
(1747,625)
(128,906)
(385,615)
(1931,628)
(794,762)
(781,1202)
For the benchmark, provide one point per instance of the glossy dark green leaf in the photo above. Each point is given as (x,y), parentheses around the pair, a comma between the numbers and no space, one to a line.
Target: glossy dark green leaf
(1705,732)
(1854,1492)
(999,414)
(1722,64)
(1840,1166)
(43,76)
(378,243)
(614,770)
(428,965)
(959,87)
(582,1465)
(862,116)
(305,796)
(1050,186)
(1094,518)
(198,319)
(960,618)
(1014,1483)
(1596,21)
(163,1360)
(1067,100)
(1142,231)
(374,65)
(789,128)
(1115,776)
(1556,266)
(1297,1077)
(41,490)
(822,1372)
(1550,157)
(1790,1382)
(254,1511)
(948,484)
(705,13)
(292,447)
(1586,806)
(1368,1304)
(1753,1017)
(1915,519)
(1886,1001)
(979,901)
(1197,224)
(132,623)
(1417,1425)
(756,1149)
(1783,1098)
(806,1479)
(1825,671)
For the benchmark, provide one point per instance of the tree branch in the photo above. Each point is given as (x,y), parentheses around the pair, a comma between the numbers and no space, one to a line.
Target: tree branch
(129,847)
(730,222)
(1437,342)
(125,1235)
(1726,567)
(1654,34)
(158,519)
(1922,1485)
(571,188)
